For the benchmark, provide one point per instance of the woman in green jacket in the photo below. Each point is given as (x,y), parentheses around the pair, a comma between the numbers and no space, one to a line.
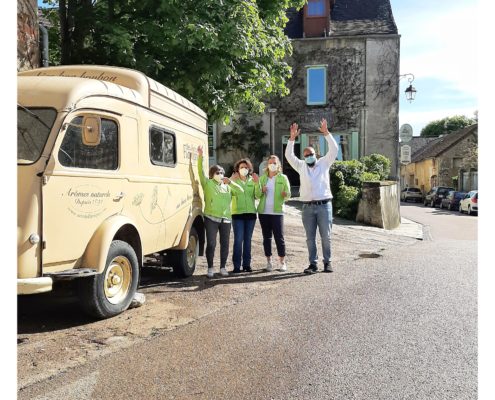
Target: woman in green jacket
(217,191)
(276,191)
(244,213)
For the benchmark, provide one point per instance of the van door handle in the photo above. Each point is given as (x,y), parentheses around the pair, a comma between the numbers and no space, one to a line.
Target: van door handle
(119,196)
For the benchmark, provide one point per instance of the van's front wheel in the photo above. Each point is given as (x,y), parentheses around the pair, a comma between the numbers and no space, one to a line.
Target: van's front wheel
(110,293)
(184,261)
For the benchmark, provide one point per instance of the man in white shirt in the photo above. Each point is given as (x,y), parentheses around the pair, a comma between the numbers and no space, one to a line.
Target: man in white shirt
(315,194)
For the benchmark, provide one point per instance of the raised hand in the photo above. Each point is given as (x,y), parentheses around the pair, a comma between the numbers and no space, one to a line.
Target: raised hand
(294,131)
(324,127)
(226,180)
(256,178)
(200,150)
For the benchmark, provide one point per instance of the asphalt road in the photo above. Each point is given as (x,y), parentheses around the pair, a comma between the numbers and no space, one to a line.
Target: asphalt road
(442,224)
(402,325)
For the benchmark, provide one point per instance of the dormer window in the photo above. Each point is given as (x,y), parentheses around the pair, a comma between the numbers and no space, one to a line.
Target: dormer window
(316,8)
(316,18)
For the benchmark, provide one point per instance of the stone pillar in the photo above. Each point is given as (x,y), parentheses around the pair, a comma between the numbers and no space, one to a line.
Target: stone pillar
(379,205)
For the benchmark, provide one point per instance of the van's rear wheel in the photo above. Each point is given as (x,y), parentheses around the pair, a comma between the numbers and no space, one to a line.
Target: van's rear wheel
(110,293)
(184,261)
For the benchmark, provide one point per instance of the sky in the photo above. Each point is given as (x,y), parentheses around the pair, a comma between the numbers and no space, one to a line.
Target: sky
(438,46)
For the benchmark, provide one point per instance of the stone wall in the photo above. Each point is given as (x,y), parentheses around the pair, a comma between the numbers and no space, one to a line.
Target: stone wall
(379,205)
(446,167)
(345,59)
(28,55)
(380,133)
(362,92)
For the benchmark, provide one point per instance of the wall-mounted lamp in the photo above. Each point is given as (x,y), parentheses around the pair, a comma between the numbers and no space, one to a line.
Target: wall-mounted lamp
(410,91)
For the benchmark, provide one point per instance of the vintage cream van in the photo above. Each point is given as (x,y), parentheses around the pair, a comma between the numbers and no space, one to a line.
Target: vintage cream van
(106,175)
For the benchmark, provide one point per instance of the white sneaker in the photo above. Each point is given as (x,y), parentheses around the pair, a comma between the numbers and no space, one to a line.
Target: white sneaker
(223,272)
(209,274)
(283,266)
(269,266)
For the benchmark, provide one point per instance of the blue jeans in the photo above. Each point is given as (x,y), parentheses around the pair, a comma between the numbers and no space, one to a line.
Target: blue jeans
(318,216)
(243,232)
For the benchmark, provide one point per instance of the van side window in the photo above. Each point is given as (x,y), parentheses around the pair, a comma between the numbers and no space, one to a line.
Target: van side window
(162,147)
(73,153)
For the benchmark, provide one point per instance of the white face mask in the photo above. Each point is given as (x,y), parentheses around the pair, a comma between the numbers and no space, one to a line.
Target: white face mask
(218,177)
(244,171)
(273,167)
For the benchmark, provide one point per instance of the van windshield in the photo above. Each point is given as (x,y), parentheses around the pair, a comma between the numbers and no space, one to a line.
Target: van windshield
(33,128)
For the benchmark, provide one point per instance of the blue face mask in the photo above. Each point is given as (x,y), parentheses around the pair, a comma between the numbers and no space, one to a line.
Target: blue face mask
(310,159)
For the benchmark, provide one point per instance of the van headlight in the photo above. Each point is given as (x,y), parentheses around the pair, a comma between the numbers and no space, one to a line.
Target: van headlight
(34,238)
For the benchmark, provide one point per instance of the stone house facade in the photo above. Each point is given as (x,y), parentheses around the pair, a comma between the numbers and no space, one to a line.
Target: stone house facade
(449,160)
(345,69)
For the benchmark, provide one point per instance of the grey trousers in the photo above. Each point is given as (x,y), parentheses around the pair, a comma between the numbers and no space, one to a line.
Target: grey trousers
(212,228)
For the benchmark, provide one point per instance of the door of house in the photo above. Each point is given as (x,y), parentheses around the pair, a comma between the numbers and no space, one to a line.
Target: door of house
(286,167)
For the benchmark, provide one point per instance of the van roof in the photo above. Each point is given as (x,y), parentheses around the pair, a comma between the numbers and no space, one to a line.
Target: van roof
(115,81)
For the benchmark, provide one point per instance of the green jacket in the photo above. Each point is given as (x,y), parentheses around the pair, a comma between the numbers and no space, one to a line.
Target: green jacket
(243,203)
(281,185)
(217,196)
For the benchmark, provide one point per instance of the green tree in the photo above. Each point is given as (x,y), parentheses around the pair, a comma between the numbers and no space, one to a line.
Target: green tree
(220,54)
(446,125)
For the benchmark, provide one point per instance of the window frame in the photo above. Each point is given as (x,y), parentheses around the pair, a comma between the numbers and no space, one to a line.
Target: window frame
(58,147)
(325,76)
(164,131)
(325,9)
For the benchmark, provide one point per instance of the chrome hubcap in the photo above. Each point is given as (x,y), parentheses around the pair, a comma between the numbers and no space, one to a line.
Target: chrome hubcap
(118,279)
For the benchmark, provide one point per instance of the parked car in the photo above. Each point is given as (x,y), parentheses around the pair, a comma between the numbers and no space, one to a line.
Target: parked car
(451,201)
(469,203)
(435,195)
(411,193)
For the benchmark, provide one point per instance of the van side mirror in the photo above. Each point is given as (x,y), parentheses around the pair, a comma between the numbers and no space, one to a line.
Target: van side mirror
(91,131)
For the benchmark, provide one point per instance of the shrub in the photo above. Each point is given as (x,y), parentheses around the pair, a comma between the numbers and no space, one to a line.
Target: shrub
(378,164)
(346,202)
(350,171)
(346,181)
(370,177)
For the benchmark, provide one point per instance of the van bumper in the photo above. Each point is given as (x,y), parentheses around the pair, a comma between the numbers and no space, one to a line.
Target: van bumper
(34,285)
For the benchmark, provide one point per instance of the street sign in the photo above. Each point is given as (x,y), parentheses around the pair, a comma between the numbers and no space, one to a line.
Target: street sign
(405,133)
(405,154)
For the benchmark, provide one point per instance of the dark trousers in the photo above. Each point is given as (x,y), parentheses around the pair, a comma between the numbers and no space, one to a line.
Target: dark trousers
(212,228)
(272,225)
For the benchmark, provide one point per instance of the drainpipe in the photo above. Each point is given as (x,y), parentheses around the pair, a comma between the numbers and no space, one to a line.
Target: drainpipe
(44,45)
(364,107)
(272,112)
